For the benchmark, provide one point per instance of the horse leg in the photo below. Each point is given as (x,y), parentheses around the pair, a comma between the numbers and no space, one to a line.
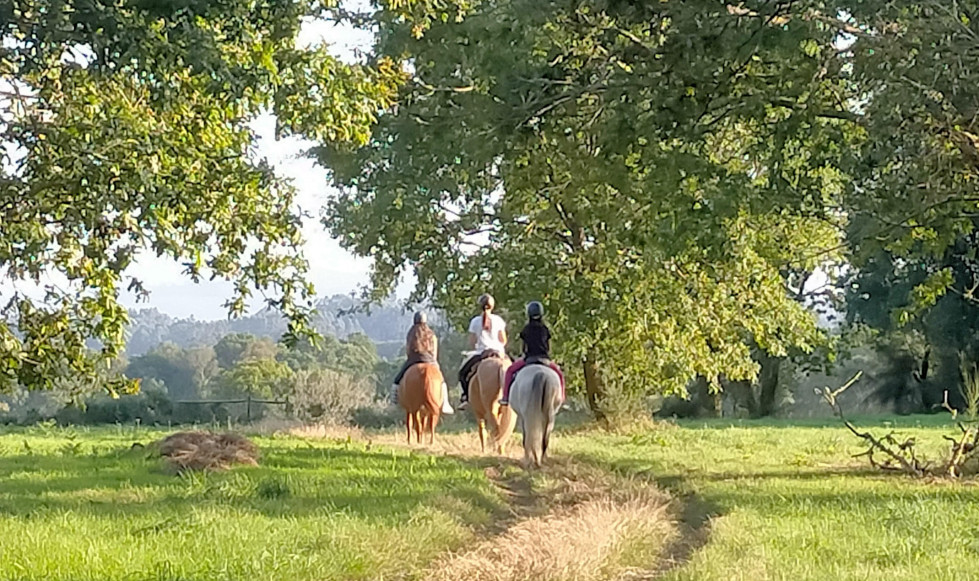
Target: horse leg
(418,426)
(433,421)
(523,438)
(481,427)
(547,438)
(500,440)
(408,425)
(500,430)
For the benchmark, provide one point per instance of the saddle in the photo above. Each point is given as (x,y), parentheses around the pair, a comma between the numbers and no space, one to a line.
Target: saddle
(537,361)
(488,354)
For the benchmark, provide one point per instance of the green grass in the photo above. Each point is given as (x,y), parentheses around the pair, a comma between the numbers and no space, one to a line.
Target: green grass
(771,500)
(785,500)
(79,504)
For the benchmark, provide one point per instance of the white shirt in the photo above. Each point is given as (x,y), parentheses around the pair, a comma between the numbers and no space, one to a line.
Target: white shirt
(488,338)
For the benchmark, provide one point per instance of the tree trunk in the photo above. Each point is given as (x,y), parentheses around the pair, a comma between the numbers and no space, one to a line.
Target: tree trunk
(743,394)
(718,399)
(594,390)
(768,383)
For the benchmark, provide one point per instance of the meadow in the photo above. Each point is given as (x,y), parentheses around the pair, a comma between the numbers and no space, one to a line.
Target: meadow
(743,500)
(786,500)
(82,505)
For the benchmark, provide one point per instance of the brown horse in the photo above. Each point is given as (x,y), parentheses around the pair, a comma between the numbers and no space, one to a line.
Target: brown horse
(420,394)
(485,391)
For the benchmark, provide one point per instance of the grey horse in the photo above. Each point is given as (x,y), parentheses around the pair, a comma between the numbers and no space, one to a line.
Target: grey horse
(535,396)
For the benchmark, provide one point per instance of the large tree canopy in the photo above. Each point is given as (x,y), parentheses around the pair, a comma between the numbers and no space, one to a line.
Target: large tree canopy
(125,127)
(662,173)
(638,166)
(913,206)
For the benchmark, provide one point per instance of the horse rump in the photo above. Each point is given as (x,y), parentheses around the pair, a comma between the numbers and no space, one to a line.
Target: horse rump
(535,399)
(421,398)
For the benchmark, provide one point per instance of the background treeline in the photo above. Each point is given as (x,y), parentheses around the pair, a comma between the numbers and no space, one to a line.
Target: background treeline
(335,380)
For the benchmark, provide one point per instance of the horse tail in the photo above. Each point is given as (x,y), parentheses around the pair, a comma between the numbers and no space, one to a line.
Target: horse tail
(433,387)
(549,393)
(502,369)
(543,395)
(535,426)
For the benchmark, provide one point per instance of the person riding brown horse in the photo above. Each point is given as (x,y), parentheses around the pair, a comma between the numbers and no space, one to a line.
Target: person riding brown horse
(485,390)
(421,346)
(487,336)
(420,396)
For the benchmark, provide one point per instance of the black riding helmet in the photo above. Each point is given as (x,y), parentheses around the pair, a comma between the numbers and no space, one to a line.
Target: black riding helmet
(535,310)
(420,317)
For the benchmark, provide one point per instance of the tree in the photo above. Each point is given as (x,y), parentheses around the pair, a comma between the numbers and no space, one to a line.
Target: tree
(924,331)
(652,171)
(913,194)
(204,365)
(126,131)
(355,356)
(237,347)
(327,395)
(167,364)
(256,378)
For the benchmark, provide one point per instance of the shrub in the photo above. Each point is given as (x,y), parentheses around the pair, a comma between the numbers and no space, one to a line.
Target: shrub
(329,396)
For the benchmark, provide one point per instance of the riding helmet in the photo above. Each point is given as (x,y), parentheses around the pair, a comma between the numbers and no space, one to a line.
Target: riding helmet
(420,317)
(486,301)
(535,310)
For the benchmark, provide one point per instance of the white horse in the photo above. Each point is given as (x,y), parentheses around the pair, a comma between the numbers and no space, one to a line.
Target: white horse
(536,397)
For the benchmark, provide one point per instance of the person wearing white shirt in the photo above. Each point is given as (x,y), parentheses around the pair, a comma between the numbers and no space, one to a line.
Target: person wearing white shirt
(487,336)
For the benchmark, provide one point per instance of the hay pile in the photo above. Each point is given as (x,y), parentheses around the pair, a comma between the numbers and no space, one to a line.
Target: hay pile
(206,451)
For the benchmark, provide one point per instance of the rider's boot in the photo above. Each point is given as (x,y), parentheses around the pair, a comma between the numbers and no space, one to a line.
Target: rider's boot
(446,406)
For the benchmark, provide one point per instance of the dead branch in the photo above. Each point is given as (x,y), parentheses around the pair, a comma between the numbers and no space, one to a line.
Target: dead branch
(908,465)
(900,455)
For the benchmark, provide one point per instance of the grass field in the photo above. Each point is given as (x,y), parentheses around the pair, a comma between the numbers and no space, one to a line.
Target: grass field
(772,500)
(80,505)
(786,501)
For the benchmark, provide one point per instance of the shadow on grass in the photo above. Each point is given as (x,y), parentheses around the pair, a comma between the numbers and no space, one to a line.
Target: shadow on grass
(392,421)
(292,482)
(911,421)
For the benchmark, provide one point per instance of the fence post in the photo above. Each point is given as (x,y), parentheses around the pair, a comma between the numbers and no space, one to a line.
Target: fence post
(248,409)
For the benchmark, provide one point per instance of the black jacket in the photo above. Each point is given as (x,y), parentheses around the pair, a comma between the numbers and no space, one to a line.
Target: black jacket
(536,340)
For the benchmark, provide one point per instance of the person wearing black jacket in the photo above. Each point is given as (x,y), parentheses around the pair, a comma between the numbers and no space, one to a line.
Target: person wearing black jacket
(536,339)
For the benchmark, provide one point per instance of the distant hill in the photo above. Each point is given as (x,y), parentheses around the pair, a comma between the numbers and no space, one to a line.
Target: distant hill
(385,325)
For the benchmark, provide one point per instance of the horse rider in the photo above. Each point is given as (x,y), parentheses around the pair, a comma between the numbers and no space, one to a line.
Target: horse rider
(536,349)
(421,347)
(487,336)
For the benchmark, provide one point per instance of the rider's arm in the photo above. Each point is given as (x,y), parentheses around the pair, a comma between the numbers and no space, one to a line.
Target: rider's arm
(472,340)
(502,336)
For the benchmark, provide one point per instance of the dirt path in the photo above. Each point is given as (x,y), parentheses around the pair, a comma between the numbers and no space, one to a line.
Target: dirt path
(566,521)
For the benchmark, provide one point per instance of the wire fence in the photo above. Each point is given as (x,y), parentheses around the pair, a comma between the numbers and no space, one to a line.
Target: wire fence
(249,401)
